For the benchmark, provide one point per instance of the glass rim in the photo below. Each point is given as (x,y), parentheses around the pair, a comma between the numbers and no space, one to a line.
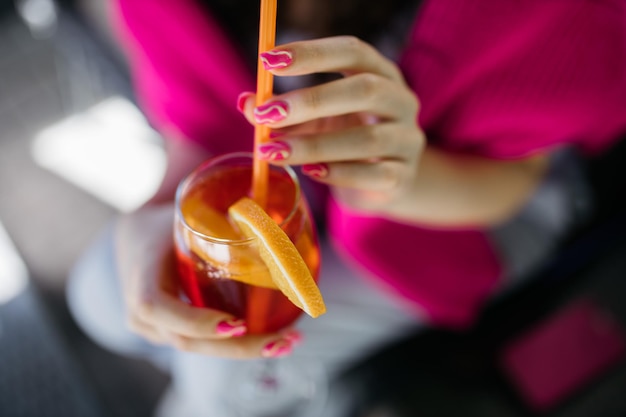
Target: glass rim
(218,159)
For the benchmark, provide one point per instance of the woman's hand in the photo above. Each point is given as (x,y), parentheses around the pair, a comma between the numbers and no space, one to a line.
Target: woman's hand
(147,270)
(358,134)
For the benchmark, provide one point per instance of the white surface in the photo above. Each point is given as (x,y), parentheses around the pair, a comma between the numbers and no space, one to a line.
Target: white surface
(13,273)
(108,150)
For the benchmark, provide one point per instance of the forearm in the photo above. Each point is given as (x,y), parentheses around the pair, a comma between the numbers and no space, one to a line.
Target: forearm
(459,190)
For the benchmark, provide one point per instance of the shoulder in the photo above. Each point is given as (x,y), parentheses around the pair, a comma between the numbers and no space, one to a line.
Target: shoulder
(465,28)
(504,77)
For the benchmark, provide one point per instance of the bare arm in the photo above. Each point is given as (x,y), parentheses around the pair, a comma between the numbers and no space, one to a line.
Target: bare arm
(453,190)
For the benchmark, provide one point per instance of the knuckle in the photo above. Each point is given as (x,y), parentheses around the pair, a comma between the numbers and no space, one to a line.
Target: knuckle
(311,53)
(391,176)
(420,143)
(352,42)
(369,86)
(414,104)
(407,101)
(145,309)
(197,327)
(375,140)
(181,343)
(411,143)
(396,74)
(313,149)
(133,324)
(313,99)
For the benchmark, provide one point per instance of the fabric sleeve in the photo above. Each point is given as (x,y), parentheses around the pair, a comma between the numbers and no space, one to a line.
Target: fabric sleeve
(186,73)
(509,79)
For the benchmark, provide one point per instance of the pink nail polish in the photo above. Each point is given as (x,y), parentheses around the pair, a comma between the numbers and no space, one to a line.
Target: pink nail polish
(241,100)
(276,59)
(274,111)
(277,349)
(234,328)
(274,151)
(315,170)
(274,134)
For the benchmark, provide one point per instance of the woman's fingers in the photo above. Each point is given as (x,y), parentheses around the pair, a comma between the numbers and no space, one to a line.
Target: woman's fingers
(358,134)
(149,332)
(385,140)
(246,105)
(362,93)
(147,270)
(163,318)
(154,300)
(386,176)
(247,347)
(147,265)
(342,54)
(169,313)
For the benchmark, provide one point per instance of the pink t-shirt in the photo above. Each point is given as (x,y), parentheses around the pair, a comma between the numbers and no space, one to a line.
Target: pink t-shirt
(495,78)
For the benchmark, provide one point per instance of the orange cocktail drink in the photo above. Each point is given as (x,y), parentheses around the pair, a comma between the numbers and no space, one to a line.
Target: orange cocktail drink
(221,269)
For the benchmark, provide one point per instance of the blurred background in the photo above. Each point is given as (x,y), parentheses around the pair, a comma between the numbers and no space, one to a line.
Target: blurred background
(75,151)
(67,124)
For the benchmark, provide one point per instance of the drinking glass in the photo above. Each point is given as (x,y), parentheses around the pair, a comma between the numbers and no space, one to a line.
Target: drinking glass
(218,269)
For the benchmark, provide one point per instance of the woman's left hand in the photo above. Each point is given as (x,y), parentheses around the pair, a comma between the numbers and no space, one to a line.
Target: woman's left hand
(358,134)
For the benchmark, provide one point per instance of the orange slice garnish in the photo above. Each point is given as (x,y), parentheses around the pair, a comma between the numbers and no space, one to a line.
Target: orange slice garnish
(287,268)
(236,262)
(210,222)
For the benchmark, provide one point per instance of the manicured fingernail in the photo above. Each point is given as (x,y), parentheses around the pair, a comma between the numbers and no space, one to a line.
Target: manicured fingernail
(233,327)
(315,170)
(241,100)
(277,349)
(274,134)
(294,336)
(274,151)
(274,111)
(276,59)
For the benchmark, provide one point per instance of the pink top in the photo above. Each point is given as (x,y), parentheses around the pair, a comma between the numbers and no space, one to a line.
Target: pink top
(495,78)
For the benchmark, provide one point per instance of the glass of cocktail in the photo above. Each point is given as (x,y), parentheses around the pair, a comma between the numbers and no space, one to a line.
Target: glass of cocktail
(221,269)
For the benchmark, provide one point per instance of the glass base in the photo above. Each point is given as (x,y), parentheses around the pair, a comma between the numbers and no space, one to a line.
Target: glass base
(284,387)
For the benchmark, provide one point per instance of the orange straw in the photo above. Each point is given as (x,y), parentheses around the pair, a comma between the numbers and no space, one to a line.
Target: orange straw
(265,84)
(259,300)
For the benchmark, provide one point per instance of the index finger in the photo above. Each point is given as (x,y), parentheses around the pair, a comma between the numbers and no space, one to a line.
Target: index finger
(160,306)
(168,312)
(343,54)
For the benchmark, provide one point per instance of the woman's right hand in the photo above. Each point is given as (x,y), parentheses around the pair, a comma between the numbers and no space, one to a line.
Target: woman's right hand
(147,270)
